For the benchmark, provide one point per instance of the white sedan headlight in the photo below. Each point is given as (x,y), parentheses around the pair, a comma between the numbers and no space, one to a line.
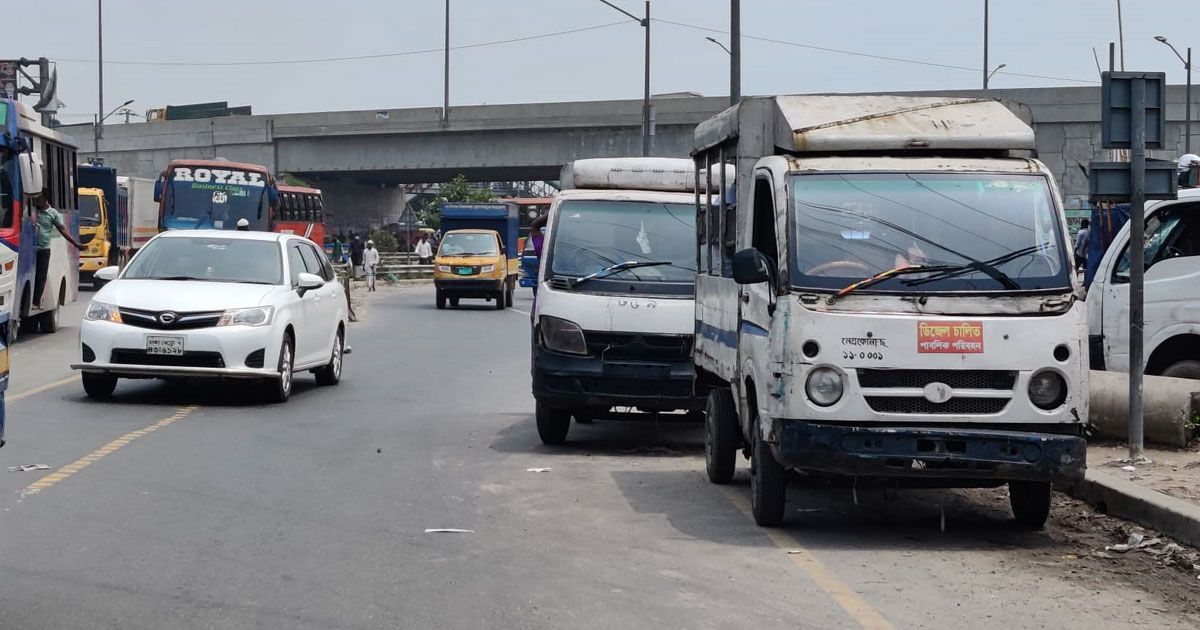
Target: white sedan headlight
(257,316)
(101,312)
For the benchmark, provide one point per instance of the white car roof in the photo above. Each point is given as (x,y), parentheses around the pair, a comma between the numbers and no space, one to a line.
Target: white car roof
(229,234)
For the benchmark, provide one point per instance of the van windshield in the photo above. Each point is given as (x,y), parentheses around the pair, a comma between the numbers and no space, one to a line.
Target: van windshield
(1004,231)
(592,235)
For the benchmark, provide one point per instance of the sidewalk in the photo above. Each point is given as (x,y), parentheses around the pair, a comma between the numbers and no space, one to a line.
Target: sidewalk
(1163,495)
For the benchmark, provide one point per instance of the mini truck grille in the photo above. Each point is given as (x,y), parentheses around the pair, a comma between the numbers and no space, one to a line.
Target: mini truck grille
(626,346)
(954,406)
(955,379)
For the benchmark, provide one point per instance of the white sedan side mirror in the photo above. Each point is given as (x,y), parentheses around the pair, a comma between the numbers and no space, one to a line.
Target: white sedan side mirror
(108,274)
(310,281)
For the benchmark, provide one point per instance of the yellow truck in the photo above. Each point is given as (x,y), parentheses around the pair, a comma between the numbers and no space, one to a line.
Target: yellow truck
(117,215)
(479,256)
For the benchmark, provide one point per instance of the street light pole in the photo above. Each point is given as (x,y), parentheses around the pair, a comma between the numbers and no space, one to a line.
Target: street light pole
(645,22)
(1187,108)
(100,64)
(985,44)
(997,69)
(99,121)
(446,71)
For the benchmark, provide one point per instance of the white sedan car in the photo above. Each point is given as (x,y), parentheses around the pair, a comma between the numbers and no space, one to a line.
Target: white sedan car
(220,304)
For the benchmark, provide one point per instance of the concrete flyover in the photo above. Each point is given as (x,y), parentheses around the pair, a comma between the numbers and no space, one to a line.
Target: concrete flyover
(359,157)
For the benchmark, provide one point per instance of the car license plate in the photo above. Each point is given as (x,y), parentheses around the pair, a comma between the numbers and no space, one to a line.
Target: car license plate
(464,271)
(161,344)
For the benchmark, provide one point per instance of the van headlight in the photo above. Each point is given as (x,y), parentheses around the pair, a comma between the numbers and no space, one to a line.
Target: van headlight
(824,386)
(101,312)
(1047,389)
(256,316)
(561,335)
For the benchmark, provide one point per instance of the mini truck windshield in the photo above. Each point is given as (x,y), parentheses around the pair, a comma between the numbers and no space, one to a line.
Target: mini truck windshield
(469,244)
(971,231)
(89,210)
(655,241)
(216,197)
(208,259)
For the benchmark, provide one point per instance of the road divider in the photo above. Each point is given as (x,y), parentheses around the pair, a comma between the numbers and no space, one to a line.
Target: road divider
(87,460)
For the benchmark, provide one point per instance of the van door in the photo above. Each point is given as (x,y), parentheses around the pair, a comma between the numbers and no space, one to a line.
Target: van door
(1172,282)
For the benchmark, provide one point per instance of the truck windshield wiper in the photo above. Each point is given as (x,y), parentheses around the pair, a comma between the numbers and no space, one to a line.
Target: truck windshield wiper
(884,275)
(608,271)
(988,267)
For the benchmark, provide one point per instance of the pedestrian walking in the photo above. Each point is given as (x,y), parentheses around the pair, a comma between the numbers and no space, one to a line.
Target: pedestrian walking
(424,251)
(339,254)
(370,264)
(48,219)
(1081,244)
(356,256)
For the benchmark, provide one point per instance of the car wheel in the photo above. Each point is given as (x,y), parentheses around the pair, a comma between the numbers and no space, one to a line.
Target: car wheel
(552,424)
(440,301)
(278,390)
(99,386)
(768,485)
(1183,369)
(721,436)
(331,373)
(508,296)
(1030,501)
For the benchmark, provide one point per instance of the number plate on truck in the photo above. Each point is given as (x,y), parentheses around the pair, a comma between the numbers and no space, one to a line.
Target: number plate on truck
(162,344)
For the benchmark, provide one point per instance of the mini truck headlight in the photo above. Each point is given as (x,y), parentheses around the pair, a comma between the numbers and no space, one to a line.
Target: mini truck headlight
(1047,389)
(487,269)
(824,386)
(101,312)
(256,316)
(561,335)
(443,268)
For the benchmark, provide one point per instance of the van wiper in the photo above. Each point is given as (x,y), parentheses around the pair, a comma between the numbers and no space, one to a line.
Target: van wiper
(608,271)
(884,275)
(987,267)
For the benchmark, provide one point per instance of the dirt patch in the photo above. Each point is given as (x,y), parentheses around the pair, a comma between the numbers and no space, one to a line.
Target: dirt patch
(1174,472)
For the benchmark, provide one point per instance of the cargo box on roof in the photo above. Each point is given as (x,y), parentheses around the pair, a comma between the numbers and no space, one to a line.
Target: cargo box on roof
(654,173)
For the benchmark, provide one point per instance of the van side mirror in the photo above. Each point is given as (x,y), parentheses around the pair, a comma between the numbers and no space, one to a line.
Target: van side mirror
(31,173)
(750,267)
(159,184)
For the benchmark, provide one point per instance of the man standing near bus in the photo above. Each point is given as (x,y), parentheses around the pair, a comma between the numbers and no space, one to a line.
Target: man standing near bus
(47,218)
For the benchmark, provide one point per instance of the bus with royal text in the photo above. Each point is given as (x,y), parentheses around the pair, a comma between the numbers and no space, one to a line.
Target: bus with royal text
(215,194)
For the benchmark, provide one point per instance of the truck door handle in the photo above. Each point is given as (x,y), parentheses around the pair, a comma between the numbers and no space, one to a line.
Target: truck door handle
(745,298)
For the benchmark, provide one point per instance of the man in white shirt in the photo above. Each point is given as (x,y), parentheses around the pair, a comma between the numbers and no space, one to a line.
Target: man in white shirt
(425,251)
(370,262)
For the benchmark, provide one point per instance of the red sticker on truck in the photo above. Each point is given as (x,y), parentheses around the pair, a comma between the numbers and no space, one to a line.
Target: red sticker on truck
(950,337)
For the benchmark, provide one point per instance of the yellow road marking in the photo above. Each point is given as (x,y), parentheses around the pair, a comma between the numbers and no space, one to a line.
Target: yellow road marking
(113,446)
(842,593)
(41,388)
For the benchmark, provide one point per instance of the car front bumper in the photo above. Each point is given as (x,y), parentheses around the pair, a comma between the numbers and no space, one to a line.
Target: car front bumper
(224,352)
(929,452)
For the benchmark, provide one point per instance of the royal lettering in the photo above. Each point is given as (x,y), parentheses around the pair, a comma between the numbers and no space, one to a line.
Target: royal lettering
(219,176)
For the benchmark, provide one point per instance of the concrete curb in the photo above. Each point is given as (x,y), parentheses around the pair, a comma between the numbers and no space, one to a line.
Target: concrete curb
(1118,497)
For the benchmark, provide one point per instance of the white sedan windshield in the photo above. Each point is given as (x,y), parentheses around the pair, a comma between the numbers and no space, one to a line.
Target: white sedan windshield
(208,259)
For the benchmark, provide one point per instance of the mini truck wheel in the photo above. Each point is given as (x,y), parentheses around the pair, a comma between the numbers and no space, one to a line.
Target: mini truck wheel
(768,485)
(1030,501)
(552,424)
(721,436)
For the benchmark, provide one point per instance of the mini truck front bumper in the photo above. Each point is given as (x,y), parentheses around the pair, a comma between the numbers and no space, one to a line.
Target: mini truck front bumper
(930,452)
(470,288)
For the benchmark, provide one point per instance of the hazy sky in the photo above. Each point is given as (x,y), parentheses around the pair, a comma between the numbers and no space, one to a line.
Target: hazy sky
(1040,37)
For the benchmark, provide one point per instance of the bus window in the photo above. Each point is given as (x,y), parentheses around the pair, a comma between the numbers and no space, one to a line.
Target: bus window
(320,211)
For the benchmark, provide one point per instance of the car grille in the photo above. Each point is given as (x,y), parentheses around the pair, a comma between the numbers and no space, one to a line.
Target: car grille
(954,406)
(181,321)
(955,379)
(190,358)
(619,346)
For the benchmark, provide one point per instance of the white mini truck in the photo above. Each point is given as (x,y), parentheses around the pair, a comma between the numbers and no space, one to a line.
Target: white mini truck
(887,292)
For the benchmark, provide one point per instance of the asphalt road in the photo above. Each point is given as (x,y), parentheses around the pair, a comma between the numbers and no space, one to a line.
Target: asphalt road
(196,507)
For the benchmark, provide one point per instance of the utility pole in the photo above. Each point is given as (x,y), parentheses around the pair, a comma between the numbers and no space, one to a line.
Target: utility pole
(1121,34)
(986,67)
(100,74)
(646,98)
(735,51)
(446,71)
(1137,266)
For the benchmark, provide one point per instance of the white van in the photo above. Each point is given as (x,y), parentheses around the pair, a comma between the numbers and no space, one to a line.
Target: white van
(614,314)
(1172,294)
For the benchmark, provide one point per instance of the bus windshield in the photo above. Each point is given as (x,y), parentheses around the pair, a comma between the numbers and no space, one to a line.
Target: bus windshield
(593,235)
(210,197)
(984,232)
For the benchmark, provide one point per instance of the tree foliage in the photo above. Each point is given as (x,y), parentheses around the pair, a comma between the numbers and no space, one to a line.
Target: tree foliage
(384,241)
(457,190)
